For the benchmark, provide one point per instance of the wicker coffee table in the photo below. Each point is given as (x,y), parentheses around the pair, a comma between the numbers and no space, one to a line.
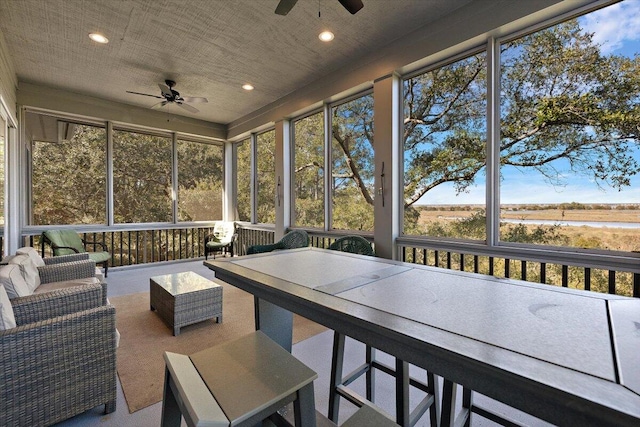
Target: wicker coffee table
(182,299)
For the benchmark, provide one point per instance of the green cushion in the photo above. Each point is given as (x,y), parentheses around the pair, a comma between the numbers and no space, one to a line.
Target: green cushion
(64,238)
(99,257)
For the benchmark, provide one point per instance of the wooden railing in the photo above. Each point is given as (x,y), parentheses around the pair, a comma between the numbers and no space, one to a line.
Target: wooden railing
(142,246)
(564,274)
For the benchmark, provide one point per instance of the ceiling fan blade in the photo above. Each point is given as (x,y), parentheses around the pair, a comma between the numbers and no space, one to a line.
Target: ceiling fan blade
(285,6)
(188,107)
(145,94)
(159,104)
(165,89)
(194,99)
(352,6)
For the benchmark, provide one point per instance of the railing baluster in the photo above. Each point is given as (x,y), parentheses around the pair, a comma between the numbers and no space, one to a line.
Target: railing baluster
(491,262)
(523,267)
(507,268)
(587,279)
(543,272)
(461,262)
(636,285)
(612,282)
(565,276)
(476,264)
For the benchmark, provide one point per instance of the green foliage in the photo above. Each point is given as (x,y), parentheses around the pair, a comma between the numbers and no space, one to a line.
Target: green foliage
(200,169)
(308,178)
(69,179)
(141,178)
(243,170)
(266,158)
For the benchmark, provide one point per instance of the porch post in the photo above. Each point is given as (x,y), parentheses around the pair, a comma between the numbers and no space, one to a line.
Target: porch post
(387,111)
(282,179)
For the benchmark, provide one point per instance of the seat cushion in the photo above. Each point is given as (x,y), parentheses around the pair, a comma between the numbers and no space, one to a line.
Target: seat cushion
(28,269)
(67,238)
(33,254)
(48,287)
(13,282)
(99,257)
(7,319)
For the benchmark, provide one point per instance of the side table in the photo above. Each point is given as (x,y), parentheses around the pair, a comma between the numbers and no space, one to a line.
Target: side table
(185,298)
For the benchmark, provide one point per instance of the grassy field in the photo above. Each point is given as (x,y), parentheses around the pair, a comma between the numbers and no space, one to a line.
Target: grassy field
(610,238)
(607,238)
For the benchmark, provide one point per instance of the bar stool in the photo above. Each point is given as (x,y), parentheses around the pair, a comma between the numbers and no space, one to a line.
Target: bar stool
(237,383)
(404,416)
(463,417)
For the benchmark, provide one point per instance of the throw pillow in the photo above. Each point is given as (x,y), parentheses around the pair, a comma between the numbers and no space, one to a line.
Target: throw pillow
(33,254)
(7,319)
(13,282)
(28,269)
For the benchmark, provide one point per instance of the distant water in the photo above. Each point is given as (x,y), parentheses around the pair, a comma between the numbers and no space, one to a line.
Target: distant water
(573,223)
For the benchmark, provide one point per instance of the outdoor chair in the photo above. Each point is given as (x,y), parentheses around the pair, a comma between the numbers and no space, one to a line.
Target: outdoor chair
(353,244)
(58,358)
(291,240)
(359,245)
(221,240)
(66,242)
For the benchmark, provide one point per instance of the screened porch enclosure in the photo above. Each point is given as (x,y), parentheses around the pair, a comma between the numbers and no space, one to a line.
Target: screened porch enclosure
(514,154)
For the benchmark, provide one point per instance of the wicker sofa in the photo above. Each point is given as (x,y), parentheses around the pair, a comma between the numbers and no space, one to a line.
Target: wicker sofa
(60,358)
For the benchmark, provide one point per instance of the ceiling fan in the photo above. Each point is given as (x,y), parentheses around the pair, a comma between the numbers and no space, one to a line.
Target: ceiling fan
(352,6)
(169,95)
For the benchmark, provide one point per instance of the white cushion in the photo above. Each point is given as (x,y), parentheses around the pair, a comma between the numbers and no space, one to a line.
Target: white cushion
(28,269)
(7,319)
(33,254)
(13,282)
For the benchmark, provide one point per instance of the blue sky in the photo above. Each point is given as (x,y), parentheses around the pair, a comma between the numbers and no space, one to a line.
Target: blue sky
(617,29)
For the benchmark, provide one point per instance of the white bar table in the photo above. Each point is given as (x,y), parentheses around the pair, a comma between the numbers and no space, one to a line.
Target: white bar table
(568,357)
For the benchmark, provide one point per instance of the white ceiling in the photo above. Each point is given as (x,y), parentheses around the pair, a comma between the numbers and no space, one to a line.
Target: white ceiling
(209,47)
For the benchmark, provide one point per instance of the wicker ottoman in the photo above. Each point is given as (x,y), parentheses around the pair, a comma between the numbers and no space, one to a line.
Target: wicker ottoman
(181,299)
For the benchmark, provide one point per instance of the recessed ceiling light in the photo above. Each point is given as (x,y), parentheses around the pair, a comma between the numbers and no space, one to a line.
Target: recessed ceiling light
(247,86)
(326,36)
(99,38)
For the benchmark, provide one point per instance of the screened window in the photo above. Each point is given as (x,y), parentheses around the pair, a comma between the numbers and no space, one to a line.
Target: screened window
(3,142)
(352,164)
(141,178)
(266,170)
(444,150)
(308,175)
(569,146)
(68,163)
(243,169)
(200,174)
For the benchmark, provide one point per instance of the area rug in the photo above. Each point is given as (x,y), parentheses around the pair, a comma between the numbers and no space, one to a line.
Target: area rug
(144,338)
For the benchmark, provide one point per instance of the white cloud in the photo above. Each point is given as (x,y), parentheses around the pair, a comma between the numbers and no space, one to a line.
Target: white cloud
(614,25)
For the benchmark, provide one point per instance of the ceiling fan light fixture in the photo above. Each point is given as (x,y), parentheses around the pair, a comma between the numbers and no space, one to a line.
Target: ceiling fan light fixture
(98,38)
(326,36)
(247,86)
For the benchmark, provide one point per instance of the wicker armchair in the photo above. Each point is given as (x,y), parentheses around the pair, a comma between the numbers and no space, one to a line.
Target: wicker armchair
(60,359)
(291,240)
(353,244)
(54,275)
